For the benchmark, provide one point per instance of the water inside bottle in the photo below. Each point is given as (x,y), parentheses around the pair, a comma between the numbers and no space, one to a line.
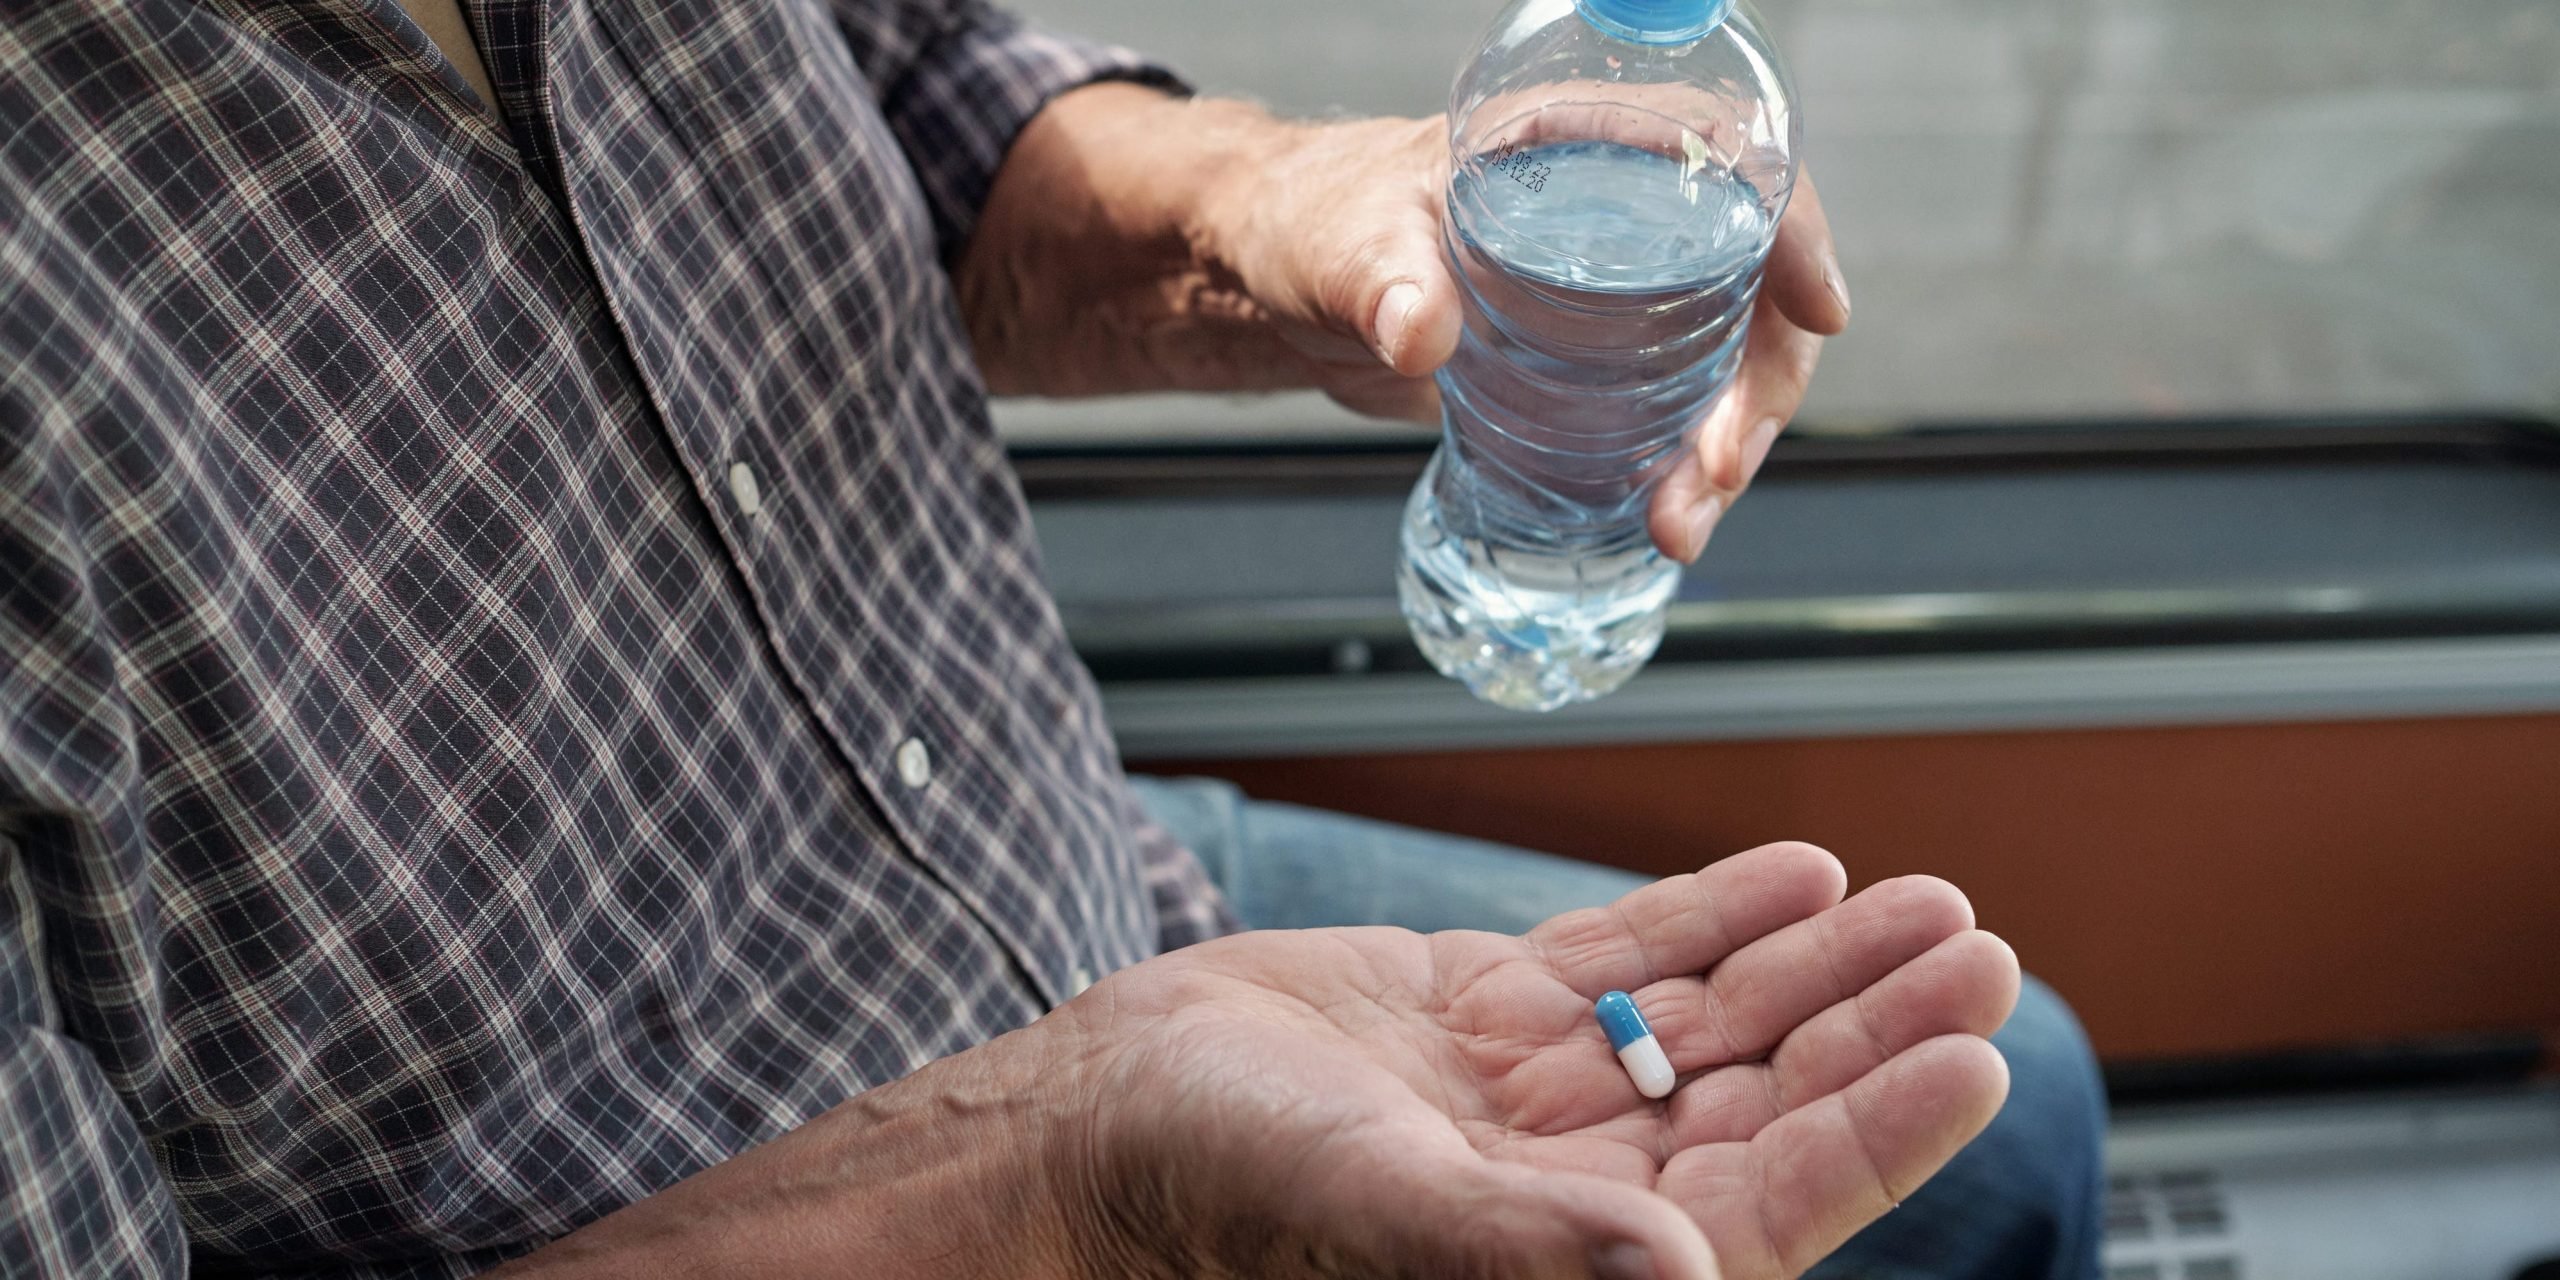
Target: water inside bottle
(1608,288)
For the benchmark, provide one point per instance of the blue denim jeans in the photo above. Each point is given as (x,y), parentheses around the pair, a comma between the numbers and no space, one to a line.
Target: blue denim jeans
(2022,1201)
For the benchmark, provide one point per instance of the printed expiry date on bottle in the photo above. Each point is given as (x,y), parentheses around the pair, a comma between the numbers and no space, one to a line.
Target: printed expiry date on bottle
(1516,163)
(1521,165)
(1608,253)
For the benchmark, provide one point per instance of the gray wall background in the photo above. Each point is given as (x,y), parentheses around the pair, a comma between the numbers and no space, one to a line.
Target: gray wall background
(2059,208)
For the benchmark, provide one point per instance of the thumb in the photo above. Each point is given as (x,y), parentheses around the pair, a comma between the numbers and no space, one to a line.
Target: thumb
(1633,1233)
(1342,235)
(1468,1216)
(1410,314)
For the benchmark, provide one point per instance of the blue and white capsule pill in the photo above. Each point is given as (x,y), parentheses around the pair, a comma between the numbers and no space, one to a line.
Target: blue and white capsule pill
(1638,1051)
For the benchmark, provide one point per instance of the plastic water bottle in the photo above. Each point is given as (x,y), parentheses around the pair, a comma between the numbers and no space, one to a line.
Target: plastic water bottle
(1618,171)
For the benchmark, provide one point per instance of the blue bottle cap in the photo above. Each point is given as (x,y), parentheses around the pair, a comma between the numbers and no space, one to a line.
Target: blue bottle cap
(1655,21)
(1621,1019)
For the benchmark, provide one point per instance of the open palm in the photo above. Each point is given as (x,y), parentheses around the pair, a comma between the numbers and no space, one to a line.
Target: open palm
(1380,1102)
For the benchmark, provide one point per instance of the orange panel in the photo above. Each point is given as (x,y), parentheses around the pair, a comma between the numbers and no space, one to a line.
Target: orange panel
(2192,890)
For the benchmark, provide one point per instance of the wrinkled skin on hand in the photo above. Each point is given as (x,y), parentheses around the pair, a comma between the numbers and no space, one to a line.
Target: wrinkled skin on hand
(1373,1102)
(1379,1103)
(1137,242)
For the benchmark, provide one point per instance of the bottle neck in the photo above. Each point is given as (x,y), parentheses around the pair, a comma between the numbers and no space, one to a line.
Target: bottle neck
(1654,22)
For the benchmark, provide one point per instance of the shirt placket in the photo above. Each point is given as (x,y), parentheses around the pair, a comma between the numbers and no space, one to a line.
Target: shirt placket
(908,742)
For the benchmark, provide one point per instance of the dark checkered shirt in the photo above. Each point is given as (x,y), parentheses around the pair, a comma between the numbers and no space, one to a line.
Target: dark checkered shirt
(523,670)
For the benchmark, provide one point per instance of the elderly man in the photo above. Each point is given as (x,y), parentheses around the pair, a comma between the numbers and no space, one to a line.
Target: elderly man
(531,734)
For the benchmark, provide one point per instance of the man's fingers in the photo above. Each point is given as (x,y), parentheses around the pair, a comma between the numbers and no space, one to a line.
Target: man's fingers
(1338,231)
(1769,988)
(1803,299)
(1804,279)
(1965,985)
(1780,1202)
(1629,1233)
(1413,324)
(1380,274)
(1778,359)
(1826,1170)
(1684,924)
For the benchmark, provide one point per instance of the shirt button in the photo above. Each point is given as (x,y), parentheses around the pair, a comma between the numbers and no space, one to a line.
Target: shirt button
(744,491)
(1083,981)
(915,767)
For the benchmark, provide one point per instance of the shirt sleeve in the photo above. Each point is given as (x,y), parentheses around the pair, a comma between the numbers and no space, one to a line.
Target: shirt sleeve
(80,1195)
(1189,907)
(958,79)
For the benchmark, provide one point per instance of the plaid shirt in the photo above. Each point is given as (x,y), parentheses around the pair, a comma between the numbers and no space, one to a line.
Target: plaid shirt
(523,670)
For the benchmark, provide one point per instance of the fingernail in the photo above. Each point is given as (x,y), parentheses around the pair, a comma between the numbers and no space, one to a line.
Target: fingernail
(1755,447)
(1702,523)
(1625,1260)
(1395,313)
(1832,280)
